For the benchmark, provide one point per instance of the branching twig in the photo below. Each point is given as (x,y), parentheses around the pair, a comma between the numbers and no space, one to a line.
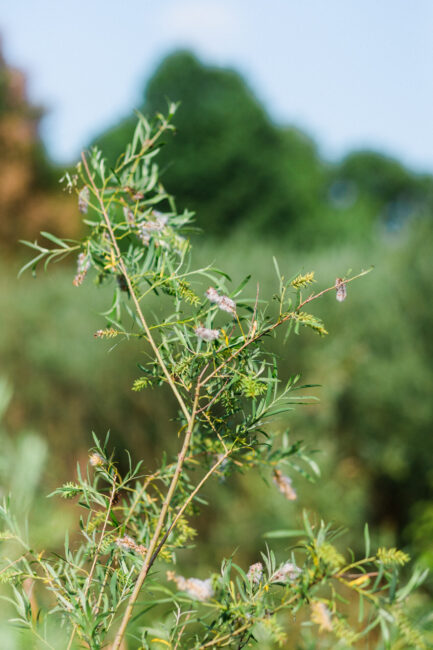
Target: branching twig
(133,294)
(95,559)
(279,322)
(161,519)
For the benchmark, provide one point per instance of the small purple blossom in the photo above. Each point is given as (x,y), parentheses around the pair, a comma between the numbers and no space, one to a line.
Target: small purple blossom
(341,289)
(96,460)
(195,588)
(284,484)
(128,544)
(83,265)
(228,305)
(321,615)
(224,302)
(286,573)
(212,295)
(129,216)
(147,228)
(206,334)
(255,573)
(83,200)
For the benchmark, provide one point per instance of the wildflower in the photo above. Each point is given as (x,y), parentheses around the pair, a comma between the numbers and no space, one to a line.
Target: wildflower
(161,218)
(212,295)
(255,573)
(83,265)
(206,334)
(286,572)
(341,290)
(227,304)
(156,225)
(146,228)
(129,216)
(143,234)
(160,222)
(96,460)
(129,544)
(83,200)
(284,484)
(321,615)
(199,589)
(224,302)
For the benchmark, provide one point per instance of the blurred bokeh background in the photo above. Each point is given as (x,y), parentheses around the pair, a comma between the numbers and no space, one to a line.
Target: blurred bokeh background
(304,131)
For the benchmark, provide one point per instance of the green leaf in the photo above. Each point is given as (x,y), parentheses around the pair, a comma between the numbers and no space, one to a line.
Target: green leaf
(54,239)
(283,534)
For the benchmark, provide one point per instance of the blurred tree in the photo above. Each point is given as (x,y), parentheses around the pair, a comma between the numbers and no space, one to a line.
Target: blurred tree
(392,193)
(29,196)
(238,170)
(232,165)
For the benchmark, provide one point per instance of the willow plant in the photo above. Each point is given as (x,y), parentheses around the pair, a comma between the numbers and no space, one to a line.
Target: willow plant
(210,350)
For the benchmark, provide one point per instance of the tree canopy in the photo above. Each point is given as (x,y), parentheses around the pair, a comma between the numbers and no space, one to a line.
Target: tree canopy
(237,169)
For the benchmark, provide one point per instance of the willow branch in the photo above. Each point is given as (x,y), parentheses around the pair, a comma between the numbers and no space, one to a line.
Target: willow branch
(133,294)
(187,502)
(95,559)
(161,519)
(279,322)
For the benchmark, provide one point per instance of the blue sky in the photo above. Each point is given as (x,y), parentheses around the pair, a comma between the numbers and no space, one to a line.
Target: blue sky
(352,74)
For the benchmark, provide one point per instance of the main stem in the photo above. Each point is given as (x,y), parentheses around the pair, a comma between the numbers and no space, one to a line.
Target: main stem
(190,418)
(152,546)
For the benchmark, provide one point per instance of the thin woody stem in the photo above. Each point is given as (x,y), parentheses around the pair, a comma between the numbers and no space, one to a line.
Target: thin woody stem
(188,616)
(227,637)
(95,559)
(132,293)
(190,418)
(186,504)
(279,322)
(153,544)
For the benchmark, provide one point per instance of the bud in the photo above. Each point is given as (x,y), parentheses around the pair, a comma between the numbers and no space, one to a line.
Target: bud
(129,216)
(284,484)
(83,200)
(198,589)
(96,460)
(129,544)
(286,572)
(207,334)
(212,295)
(224,302)
(83,265)
(228,305)
(255,573)
(341,289)
(108,333)
(321,615)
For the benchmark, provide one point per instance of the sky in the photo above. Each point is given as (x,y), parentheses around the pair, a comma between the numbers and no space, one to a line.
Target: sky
(351,74)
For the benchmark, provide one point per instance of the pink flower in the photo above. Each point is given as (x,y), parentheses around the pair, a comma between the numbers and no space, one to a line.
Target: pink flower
(255,573)
(284,484)
(341,290)
(206,334)
(224,302)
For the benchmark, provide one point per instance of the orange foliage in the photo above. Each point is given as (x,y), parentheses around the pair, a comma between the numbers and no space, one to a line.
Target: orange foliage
(31,200)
